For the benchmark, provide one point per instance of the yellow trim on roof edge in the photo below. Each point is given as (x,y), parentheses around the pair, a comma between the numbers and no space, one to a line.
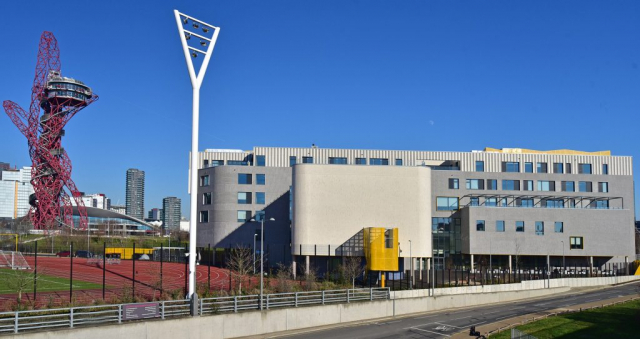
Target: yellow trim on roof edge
(558,151)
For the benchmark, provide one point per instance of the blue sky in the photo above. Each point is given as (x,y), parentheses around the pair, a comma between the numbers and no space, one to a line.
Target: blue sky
(414,75)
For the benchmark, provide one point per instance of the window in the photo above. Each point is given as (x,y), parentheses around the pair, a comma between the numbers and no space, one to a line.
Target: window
(307,160)
(576,243)
(260,160)
(480,225)
(508,166)
(244,197)
(510,185)
(447,203)
(260,179)
(559,227)
(492,202)
(539,228)
(524,202)
(206,198)
(542,167)
(260,198)
(584,186)
(204,180)
(378,161)
(293,160)
(361,161)
(568,186)
(237,163)
(454,183)
(527,185)
(519,226)
(204,216)
(475,184)
(479,166)
(584,168)
(475,201)
(337,161)
(216,163)
(388,238)
(605,169)
(500,226)
(244,179)
(546,186)
(244,216)
(603,187)
(528,167)
(602,204)
(206,163)
(557,168)
(503,202)
(555,203)
(567,168)
(398,162)
(492,184)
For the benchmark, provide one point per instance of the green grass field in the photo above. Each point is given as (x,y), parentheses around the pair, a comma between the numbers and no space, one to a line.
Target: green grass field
(619,321)
(46,283)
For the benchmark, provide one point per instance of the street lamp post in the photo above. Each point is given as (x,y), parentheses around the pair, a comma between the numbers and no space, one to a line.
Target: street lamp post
(563,263)
(262,254)
(410,266)
(254,253)
(208,36)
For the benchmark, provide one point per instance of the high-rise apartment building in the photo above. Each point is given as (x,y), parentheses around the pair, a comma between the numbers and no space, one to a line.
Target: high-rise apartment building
(171,207)
(135,193)
(15,188)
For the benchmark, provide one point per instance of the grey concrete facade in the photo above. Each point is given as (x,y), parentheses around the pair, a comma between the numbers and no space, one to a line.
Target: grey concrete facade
(603,216)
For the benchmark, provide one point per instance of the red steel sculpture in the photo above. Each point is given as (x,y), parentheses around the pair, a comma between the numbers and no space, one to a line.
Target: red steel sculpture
(59,98)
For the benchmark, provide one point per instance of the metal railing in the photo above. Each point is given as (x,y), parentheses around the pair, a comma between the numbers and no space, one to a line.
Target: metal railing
(293,299)
(33,320)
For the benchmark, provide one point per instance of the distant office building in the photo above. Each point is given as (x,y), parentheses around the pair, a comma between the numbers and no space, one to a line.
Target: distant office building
(15,188)
(135,193)
(184,225)
(155,214)
(171,217)
(98,200)
(4,167)
(119,209)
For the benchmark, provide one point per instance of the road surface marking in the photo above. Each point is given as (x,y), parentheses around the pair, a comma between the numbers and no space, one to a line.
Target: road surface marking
(438,333)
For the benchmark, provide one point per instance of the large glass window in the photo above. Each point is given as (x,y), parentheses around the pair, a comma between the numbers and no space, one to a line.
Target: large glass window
(260,160)
(508,166)
(602,204)
(293,160)
(528,167)
(206,198)
(454,183)
(568,186)
(500,226)
(204,180)
(491,202)
(585,186)
(539,227)
(244,197)
(204,216)
(479,166)
(555,203)
(504,202)
(244,216)
(398,162)
(307,160)
(216,163)
(388,238)
(260,179)
(605,169)
(492,184)
(361,161)
(558,168)
(378,161)
(603,187)
(480,225)
(237,163)
(584,168)
(524,202)
(567,168)
(577,243)
(546,186)
(542,167)
(519,226)
(474,201)
(527,185)
(559,227)
(337,161)
(244,179)
(510,185)
(447,203)
(475,184)
(260,198)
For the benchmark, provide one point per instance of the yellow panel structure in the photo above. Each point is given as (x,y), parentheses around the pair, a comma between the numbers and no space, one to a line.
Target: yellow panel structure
(637,262)
(381,248)
(558,151)
(127,252)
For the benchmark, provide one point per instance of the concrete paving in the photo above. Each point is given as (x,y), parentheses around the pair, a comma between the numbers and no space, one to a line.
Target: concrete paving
(456,322)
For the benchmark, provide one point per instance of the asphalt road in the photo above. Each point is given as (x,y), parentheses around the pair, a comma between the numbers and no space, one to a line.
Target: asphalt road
(446,323)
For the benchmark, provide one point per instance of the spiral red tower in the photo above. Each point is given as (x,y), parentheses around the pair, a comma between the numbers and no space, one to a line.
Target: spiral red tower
(59,98)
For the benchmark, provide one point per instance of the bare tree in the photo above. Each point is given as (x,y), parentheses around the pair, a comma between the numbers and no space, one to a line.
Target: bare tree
(21,280)
(518,255)
(352,268)
(310,278)
(284,278)
(241,264)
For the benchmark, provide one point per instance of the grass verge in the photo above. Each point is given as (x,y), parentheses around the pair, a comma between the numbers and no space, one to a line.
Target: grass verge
(46,283)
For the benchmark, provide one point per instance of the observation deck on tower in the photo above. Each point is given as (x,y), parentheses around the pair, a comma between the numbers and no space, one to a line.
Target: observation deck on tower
(66,91)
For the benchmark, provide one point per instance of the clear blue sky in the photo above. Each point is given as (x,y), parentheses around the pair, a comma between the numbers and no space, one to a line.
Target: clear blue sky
(415,75)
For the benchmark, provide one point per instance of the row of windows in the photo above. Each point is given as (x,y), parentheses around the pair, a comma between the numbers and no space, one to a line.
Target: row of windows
(453,203)
(527,185)
(344,161)
(242,216)
(542,167)
(246,198)
(520,225)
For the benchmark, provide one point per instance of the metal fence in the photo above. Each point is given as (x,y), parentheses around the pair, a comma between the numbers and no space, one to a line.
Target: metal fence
(33,320)
(516,334)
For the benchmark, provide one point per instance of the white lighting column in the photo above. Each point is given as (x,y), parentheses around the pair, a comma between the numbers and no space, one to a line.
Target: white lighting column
(207,36)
